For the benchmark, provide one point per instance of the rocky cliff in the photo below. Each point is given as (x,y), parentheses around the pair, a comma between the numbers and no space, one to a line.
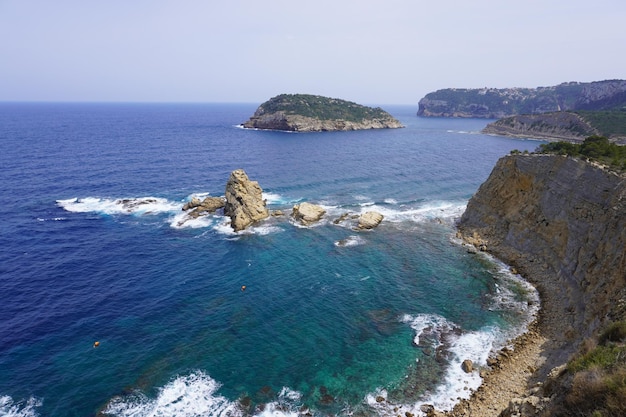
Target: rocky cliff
(564,219)
(561,223)
(310,113)
(552,126)
(497,103)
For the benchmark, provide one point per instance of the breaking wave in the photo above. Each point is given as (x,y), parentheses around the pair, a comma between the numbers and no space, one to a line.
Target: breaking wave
(11,408)
(196,395)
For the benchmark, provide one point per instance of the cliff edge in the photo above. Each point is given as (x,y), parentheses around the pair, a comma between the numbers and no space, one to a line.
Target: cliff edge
(561,222)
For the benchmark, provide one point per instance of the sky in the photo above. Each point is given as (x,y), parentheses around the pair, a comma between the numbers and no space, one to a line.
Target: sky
(372,52)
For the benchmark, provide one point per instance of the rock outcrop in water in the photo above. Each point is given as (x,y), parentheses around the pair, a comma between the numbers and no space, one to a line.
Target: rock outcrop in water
(310,113)
(244,201)
(369,220)
(307,213)
(197,207)
(561,223)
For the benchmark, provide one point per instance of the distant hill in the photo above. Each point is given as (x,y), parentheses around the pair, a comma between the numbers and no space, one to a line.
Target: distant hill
(566,125)
(494,103)
(311,113)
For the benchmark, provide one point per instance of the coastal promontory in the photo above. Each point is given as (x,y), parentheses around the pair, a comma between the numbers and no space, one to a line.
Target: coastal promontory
(496,103)
(312,113)
(560,222)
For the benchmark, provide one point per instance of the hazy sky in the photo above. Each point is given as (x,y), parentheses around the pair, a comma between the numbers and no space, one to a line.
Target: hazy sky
(368,51)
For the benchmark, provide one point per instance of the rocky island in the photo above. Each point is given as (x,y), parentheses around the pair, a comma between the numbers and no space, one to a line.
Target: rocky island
(311,113)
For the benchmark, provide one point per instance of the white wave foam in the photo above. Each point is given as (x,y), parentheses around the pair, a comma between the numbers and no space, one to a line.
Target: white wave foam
(393,212)
(435,323)
(138,206)
(392,201)
(458,384)
(287,405)
(277,199)
(196,395)
(182,221)
(350,241)
(191,395)
(10,408)
(513,294)
(425,212)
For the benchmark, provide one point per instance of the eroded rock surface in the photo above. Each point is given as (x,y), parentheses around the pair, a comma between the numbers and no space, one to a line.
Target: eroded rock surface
(244,201)
(307,213)
(369,220)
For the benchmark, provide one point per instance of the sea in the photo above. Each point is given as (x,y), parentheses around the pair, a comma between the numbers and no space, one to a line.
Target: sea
(114,302)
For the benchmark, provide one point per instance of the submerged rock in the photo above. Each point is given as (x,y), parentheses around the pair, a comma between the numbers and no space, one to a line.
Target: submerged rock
(307,213)
(244,201)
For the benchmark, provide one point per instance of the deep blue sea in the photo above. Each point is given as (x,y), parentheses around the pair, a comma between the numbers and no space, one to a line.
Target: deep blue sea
(95,248)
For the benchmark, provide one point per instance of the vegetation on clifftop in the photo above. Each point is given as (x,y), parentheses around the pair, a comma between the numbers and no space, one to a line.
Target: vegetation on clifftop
(608,123)
(322,108)
(596,148)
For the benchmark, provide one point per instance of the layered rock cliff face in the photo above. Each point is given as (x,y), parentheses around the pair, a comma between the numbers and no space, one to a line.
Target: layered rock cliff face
(562,219)
(552,126)
(311,113)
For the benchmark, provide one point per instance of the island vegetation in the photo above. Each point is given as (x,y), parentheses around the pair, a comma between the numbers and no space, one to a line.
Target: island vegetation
(312,113)
(322,108)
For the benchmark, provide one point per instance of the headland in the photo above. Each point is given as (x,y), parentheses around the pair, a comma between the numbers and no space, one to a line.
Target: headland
(560,222)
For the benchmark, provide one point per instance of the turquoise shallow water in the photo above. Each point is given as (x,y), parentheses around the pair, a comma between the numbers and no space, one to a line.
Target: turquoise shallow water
(330,319)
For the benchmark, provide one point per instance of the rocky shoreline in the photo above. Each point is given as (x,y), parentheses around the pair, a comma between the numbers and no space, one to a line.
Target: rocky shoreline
(512,381)
(560,223)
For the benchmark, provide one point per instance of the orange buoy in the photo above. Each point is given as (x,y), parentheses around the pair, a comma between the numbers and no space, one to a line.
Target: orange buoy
(96,344)
(243,288)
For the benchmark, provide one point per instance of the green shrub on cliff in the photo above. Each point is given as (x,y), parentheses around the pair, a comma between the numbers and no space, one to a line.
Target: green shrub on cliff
(597,148)
(598,376)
